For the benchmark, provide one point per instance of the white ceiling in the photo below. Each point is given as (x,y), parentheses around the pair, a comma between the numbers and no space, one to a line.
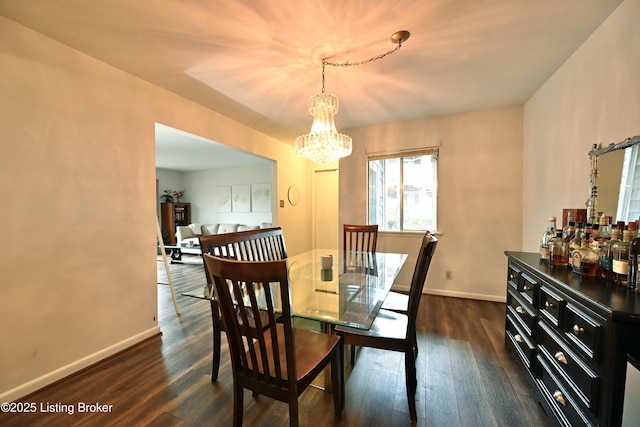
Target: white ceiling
(258,61)
(182,151)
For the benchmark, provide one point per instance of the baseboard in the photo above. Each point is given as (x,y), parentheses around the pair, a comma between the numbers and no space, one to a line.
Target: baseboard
(467,295)
(63,372)
(455,294)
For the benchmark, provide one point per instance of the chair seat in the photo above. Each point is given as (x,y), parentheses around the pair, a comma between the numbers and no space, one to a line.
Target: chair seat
(396,301)
(311,349)
(388,331)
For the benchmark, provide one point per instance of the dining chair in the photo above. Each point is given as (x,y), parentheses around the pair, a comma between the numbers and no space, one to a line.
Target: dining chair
(252,245)
(268,355)
(359,238)
(364,238)
(397,331)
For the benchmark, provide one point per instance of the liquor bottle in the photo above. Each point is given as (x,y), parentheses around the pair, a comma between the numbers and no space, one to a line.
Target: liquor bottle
(606,254)
(569,230)
(633,229)
(588,228)
(634,265)
(547,238)
(586,261)
(576,255)
(596,246)
(576,242)
(570,216)
(594,240)
(605,229)
(559,250)
(620,266)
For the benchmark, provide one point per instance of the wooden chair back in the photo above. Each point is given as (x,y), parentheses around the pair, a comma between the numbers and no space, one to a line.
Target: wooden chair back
(251,245)
(359,243)
(360,238)
(427,249)
(246,292)
(266,244)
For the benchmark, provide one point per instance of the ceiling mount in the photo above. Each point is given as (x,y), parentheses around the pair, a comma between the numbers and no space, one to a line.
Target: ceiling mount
(400,36)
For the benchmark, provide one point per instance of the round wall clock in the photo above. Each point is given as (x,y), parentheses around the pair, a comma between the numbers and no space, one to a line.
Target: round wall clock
(293,194)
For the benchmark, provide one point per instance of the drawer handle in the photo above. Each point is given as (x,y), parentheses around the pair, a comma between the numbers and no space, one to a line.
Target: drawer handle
(520,310)
(560,357)
(513,276)
(559,398)
(578,330)
(548,305)
(518,338)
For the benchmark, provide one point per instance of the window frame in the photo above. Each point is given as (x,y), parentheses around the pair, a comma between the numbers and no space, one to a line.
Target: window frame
(401,154)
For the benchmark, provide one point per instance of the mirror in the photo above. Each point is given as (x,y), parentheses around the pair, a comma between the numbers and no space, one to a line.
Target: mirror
(612,183)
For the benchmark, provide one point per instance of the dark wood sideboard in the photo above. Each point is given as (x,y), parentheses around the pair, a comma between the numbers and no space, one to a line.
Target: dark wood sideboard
(571,334)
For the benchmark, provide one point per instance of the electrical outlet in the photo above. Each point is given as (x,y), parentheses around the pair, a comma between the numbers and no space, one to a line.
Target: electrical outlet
(447,275)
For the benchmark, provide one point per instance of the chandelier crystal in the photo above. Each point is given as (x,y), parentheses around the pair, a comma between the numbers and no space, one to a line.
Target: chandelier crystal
(323,144)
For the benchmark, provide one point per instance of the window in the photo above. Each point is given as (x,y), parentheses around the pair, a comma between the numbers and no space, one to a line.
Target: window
(403,190)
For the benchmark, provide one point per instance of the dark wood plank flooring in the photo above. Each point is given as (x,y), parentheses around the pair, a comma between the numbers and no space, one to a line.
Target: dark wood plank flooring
(465,376)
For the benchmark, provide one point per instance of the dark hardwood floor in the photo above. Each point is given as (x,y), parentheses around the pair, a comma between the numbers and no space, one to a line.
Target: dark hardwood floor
(465,376)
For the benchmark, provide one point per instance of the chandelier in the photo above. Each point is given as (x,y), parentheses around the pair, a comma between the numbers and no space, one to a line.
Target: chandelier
(324,144)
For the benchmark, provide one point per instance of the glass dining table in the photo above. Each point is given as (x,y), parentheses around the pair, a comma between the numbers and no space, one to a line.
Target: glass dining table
(350,293)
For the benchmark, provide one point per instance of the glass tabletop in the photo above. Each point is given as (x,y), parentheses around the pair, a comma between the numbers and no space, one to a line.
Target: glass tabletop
(350,293)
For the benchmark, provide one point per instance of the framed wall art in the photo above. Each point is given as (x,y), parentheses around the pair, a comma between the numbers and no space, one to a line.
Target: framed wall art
(222,198)
(261,197)
(241,198)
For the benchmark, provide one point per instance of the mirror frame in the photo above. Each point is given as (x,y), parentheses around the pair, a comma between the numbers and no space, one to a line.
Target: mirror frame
(595,152)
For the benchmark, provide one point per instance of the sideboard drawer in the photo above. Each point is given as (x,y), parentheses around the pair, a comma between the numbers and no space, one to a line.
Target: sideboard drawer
(551,305)
(559,398)
(584,329)
(520,342)
(521,310)
(584,382)
(528,287)
(513,276)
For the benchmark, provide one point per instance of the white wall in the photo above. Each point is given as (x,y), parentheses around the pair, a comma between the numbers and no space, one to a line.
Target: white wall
(79,204)
(479,196)
(593,98)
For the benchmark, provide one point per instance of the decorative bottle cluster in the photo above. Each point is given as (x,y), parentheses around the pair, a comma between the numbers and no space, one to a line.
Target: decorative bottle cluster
(607,250)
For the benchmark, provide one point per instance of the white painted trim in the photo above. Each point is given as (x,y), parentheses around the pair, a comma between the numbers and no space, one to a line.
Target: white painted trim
(71,368)
(454,294)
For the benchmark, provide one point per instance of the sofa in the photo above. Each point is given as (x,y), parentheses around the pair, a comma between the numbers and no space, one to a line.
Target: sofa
(187,236)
